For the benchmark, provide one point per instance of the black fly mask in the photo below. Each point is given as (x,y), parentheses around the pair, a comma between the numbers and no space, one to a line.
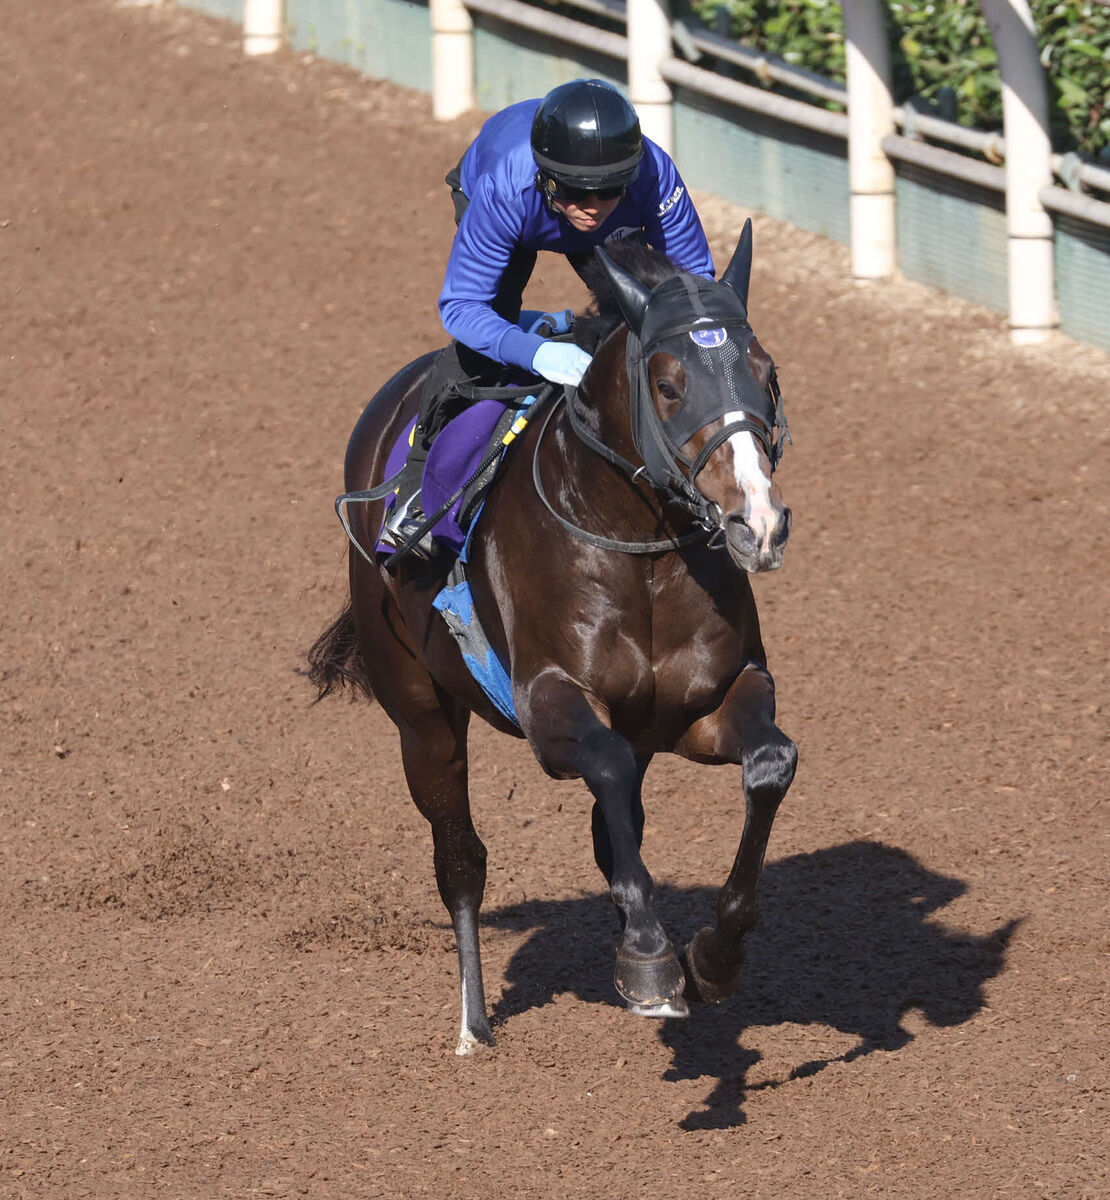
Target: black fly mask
(704,325)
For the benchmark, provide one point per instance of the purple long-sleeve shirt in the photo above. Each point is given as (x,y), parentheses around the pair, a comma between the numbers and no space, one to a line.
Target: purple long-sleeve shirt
(506,210)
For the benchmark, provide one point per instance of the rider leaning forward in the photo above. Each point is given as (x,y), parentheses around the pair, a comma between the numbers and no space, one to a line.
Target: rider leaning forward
(565,173)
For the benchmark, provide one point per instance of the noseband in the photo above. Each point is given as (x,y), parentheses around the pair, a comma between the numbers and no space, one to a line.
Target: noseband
(659,443)
(727,385)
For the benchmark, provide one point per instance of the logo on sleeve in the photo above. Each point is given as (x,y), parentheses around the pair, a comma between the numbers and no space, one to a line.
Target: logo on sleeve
(671,200)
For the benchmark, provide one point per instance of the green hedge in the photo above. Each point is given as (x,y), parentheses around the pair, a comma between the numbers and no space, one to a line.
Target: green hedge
(943,51)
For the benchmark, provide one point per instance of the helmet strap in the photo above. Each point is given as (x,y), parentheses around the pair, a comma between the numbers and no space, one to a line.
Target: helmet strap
(545,185)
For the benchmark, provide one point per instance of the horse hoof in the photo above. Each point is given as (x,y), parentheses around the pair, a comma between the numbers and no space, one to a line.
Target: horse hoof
(649,981)
(470,1043)
(676,1007)
(699,987)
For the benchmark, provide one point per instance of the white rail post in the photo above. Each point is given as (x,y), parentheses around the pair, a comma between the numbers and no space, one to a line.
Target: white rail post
(1028,169)
(263,26)
(452,59)
(649,43)
(870,119)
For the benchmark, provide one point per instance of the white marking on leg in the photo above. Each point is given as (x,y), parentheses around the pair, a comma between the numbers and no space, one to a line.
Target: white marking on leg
(467,1040)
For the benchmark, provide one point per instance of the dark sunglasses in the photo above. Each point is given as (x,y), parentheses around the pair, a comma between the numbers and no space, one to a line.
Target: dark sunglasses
(574,195)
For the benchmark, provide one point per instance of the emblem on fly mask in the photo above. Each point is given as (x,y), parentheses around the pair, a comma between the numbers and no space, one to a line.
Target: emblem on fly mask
(710,339)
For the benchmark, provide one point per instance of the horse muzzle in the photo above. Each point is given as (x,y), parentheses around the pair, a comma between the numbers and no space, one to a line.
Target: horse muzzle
(757,550)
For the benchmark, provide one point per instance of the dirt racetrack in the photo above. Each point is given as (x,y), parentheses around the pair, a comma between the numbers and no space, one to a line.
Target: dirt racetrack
(226,971)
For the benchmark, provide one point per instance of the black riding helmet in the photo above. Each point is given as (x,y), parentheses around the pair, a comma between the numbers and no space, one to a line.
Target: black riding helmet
(586,135)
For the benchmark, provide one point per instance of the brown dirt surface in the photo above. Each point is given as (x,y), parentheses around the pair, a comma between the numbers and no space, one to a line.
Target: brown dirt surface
(226,970)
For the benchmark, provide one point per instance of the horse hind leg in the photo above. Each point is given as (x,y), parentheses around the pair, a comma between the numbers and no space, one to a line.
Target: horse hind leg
(435,762)
(744,731)
(570,740)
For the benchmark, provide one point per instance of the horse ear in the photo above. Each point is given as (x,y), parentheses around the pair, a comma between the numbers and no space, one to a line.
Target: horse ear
(738,273)
(630,294)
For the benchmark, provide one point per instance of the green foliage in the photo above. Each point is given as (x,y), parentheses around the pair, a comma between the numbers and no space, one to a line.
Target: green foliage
(943,51)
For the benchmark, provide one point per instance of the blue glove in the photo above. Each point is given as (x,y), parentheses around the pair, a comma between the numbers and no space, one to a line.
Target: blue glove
(561,362)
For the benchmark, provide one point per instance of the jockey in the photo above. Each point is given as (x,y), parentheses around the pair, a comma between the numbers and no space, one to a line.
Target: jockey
(565,173)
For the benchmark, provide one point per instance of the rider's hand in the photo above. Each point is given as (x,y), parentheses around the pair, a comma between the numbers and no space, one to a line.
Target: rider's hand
(561,362)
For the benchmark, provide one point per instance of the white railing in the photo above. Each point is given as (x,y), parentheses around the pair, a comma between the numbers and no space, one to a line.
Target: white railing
(1019,163)
(263,26)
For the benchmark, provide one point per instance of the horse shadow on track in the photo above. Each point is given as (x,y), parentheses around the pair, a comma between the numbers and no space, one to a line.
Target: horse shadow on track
(848,939)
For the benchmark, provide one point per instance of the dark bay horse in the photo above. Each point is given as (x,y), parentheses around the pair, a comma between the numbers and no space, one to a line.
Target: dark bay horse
(610,574)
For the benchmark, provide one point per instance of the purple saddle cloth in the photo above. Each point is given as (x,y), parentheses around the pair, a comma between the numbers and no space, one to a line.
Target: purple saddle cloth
(455,455)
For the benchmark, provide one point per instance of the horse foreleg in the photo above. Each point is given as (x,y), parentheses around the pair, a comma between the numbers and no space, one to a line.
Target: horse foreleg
(603,846)
(435,765)
(742,730)
(569,739)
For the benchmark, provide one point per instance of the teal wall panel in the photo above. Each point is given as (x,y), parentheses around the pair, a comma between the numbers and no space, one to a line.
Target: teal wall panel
(231,10)
(796,175)
(1083,280)
(952,236)
(512,64)
(385,39)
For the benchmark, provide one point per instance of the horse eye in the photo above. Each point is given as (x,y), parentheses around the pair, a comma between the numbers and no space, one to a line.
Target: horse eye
(667,389)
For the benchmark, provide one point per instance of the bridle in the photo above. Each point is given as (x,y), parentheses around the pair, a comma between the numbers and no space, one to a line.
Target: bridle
(664,465)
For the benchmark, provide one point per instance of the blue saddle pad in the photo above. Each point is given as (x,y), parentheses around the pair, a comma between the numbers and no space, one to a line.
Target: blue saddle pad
(455,455)
(456,605)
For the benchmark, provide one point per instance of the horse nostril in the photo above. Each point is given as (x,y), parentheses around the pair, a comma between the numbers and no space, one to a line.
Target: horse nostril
(738,531)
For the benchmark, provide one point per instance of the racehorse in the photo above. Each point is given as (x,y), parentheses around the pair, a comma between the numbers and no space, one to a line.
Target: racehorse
(610,574)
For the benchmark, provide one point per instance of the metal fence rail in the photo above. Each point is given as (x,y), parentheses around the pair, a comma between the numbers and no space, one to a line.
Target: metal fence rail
(882,178)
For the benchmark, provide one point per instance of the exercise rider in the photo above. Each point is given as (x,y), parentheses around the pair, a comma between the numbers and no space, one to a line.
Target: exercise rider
(564,173)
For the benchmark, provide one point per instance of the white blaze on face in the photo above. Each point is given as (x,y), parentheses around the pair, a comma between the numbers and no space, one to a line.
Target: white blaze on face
(759,513)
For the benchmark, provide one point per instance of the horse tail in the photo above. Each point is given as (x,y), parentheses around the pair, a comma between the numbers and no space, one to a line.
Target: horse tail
(335,660)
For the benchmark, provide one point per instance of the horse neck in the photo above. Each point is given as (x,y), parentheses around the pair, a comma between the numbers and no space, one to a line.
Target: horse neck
(591,485)
(604,407)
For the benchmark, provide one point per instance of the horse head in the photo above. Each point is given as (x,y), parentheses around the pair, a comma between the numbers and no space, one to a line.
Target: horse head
(706,413)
